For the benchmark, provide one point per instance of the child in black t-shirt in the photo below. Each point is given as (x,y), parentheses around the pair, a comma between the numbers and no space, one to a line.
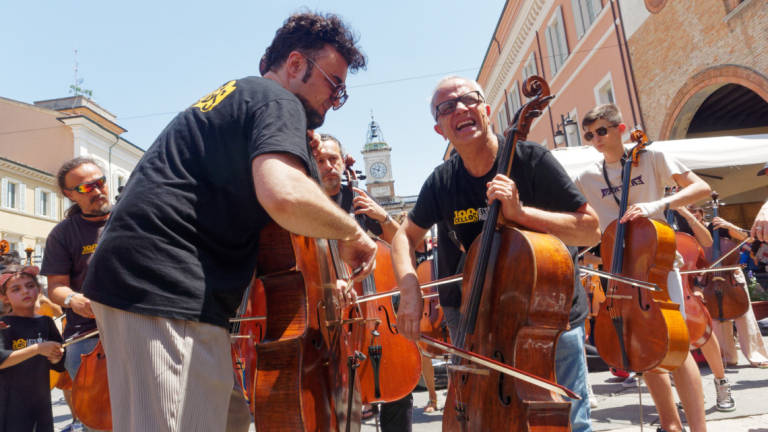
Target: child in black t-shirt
(30,345)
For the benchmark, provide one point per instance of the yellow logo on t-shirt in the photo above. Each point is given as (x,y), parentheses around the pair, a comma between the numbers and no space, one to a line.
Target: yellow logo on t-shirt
(213,98)
(89,249)
(465,216)
(19,344)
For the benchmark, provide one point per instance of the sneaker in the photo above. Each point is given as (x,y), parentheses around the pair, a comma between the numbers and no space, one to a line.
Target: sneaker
(591,397)
(724,400)
(630,382)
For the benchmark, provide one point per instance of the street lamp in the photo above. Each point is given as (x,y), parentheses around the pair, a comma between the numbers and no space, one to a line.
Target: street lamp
(569,126)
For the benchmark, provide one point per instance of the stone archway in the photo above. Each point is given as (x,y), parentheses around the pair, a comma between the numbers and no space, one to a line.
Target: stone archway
(686,103)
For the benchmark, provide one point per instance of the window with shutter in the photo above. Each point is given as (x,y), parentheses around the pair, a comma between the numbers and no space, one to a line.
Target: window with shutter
(514,99)
(557,45)
(22,198)
(4,191)
(38,202)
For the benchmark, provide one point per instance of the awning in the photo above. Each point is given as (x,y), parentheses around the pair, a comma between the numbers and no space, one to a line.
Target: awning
(695,153)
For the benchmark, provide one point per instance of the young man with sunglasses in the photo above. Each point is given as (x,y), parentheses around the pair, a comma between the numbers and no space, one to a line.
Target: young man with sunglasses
(539,195)
(70,247)
(601,184)
(181,246)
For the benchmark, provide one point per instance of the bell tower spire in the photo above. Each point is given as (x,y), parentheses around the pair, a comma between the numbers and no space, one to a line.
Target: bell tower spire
(378,164)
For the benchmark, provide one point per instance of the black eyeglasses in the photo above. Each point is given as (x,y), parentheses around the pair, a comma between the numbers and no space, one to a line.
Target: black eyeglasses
(601,131)
(339,95)
(85,188)
(468,99)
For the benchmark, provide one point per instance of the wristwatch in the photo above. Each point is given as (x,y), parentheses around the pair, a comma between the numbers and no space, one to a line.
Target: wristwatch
(387,219)
(68,299)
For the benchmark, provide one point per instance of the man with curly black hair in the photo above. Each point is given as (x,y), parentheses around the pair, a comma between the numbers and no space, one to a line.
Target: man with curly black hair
(181,245)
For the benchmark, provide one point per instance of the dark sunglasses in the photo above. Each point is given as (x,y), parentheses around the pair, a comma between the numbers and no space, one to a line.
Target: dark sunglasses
(468,99)
(85,188)
(601,131)
(339,94)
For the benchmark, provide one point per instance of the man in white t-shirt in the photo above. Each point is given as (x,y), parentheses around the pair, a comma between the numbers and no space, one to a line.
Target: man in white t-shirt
(601,185)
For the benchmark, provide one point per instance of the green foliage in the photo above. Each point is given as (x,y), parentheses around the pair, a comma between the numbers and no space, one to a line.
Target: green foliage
(77,90)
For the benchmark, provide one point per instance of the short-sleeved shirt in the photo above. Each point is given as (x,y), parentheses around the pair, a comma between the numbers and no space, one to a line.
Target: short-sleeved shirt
(344,200)
(68,251)
(25,393)
(182,241)
(647,182)
(455,200)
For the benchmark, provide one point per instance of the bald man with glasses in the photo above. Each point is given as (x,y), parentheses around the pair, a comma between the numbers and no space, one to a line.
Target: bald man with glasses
(539,196)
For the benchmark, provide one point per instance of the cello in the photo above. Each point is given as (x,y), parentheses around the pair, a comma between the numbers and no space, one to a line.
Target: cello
(305,369)
(432,323)
(246,331)
(595,297)
(90,391)
(636,330)
(516,297)
(724,298)
(697,318)
(389,354)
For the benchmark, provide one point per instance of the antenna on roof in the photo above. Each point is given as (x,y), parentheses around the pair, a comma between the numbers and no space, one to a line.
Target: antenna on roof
(75,88)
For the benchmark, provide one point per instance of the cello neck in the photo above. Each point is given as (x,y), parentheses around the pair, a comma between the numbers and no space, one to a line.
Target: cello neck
(538,90)
(716,252)
(618,243)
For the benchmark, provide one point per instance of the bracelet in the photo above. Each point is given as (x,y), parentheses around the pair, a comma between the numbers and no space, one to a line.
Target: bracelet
(387,219)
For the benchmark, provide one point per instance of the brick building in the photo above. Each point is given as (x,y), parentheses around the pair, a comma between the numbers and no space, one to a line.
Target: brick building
(676,69)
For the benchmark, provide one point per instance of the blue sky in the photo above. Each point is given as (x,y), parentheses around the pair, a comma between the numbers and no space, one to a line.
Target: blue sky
(145,61)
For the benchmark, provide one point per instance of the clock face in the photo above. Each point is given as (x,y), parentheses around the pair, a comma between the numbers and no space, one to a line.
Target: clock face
(378,170)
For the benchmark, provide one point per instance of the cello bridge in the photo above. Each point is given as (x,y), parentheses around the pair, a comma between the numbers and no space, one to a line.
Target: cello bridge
(343,322)
(618,296)
(469,370)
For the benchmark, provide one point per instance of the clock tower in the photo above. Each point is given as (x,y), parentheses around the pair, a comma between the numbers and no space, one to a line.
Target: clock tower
(378,166)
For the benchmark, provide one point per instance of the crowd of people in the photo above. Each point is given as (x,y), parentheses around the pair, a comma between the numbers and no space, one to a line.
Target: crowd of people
(161,273)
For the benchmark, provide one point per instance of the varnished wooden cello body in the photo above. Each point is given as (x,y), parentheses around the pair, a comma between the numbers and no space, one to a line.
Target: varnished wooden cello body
(697,317)
(516,298)
(305,373)
(637,329)
(393,365)
(432,322)
(248,330)
(724,298)
(90,391)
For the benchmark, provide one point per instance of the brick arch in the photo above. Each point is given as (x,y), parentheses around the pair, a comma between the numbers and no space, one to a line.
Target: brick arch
(698,87)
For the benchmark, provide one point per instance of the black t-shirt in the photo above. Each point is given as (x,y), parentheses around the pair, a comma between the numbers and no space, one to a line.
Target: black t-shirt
(452,196)
(344,200)
(68,251)
(182,241)
(25,393)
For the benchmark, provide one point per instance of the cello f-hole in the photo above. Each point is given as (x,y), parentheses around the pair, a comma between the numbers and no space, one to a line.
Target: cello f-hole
(505,400)
(641,302)
(392,329)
